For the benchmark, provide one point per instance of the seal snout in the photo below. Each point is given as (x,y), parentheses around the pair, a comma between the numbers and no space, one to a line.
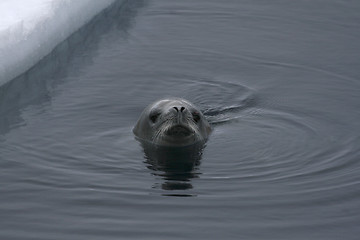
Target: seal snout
(179,109)
(179,131)
(179,114)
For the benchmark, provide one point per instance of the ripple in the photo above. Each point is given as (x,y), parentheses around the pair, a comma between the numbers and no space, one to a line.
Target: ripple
(220,101)
(286,148)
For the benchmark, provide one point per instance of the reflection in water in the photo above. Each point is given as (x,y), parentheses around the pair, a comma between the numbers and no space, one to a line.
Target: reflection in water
(176,165)
(37,84)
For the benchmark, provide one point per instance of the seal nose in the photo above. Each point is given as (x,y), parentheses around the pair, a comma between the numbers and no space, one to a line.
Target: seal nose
(179,109)
(180,113)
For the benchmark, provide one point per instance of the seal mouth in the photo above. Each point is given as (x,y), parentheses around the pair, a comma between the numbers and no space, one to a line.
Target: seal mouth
(179,131)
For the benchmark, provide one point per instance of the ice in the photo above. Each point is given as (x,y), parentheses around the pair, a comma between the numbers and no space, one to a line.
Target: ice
(30,29)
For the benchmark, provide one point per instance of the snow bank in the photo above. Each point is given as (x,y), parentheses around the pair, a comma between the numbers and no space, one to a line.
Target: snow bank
(30,29)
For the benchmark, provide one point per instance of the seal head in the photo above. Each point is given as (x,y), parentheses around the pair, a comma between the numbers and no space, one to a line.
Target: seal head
(172,122)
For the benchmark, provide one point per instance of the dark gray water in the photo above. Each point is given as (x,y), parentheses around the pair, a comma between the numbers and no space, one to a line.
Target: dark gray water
(278,80)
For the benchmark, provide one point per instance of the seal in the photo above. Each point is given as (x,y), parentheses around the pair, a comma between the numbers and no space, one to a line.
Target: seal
(172,122)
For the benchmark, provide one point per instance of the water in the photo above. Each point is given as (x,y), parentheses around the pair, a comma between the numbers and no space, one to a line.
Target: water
(278,80)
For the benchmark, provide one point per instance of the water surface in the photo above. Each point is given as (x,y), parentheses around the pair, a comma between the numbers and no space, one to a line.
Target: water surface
(278,80)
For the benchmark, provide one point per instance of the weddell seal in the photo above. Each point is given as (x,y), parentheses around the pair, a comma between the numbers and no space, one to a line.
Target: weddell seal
(172,122)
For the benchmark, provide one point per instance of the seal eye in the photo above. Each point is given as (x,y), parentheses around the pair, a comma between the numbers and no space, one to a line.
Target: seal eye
(196,116)
(154,116)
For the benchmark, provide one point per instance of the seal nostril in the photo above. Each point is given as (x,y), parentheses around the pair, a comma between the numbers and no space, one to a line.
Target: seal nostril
(176,109)
(182,109)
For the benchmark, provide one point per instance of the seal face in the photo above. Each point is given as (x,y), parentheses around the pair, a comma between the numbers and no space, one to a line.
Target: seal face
(172,122)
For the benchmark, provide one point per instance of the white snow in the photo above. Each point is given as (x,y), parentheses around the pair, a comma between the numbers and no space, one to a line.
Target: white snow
(30,29)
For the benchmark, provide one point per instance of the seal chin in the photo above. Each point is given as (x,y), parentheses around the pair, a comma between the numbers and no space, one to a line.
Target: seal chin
(173,141)
(179,131)
(179,135)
